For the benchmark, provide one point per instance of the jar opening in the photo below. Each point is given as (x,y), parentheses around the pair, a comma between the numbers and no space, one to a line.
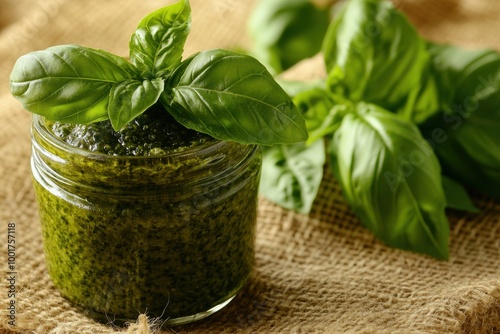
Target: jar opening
(206,166)
(40,127)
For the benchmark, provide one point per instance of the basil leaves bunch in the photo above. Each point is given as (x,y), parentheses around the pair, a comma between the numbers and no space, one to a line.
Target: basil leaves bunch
(227,95)
(407,123)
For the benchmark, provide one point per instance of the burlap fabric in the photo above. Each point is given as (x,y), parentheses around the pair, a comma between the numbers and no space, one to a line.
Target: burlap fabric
(317,273)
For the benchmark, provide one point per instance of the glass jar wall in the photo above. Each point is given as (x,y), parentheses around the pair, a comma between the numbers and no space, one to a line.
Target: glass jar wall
(170,235)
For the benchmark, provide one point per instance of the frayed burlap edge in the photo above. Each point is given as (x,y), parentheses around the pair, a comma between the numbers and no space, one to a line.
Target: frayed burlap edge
(480,308)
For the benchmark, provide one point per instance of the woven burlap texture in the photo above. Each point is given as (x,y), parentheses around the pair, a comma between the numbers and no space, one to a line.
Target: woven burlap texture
(317,273)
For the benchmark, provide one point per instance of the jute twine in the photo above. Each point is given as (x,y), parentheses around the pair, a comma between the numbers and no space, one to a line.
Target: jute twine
(317,273)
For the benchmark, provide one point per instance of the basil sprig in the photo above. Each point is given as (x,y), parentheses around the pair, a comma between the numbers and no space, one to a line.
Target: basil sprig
(408,123)
(228,95)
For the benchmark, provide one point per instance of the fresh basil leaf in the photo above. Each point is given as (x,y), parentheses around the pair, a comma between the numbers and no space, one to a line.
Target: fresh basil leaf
(156,46)
(131,98)
(454,67)
(320,112)
(456,196)
(392,180)
(68,83)
(374,54)
(232,96)
(285,32)
(292,174)
(468,142)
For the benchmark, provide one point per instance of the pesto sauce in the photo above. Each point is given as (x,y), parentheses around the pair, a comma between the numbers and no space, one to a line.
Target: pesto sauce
(169,237)
(155,132)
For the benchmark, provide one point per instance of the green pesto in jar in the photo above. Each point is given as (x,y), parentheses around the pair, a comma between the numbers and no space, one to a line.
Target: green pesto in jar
(151,134)
(162,224)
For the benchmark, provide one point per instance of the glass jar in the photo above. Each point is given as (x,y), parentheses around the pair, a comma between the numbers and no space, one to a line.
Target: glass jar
(171,236)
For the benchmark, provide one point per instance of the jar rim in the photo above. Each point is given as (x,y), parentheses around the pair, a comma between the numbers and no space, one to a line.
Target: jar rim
(45,133)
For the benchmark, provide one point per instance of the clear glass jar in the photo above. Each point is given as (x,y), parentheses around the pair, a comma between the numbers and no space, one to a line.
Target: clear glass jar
(169,235)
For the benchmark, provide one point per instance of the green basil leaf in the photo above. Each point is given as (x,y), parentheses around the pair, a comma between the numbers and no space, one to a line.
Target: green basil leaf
(285,32)
(232,96)
(468,128)
(321,114)
(68,83)
(131,98)
(156,46)
(455,66)
(456,196)
(374,54)
(292,174)
(392,180)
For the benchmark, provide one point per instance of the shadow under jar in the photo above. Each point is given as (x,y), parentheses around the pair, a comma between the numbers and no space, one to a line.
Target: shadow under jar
(170,235)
